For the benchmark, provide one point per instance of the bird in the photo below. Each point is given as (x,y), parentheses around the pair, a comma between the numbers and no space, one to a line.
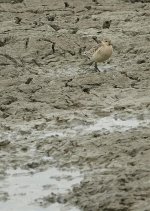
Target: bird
(100,53)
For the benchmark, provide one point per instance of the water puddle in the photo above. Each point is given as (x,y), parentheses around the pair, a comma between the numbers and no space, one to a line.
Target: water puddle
(75,128)
(111,124)
(106,68)
(106,124)
(24,188)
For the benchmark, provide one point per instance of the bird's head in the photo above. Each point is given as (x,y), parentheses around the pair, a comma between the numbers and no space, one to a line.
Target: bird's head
(107,42)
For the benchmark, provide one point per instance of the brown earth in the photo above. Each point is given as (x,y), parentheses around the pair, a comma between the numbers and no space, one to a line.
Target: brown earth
(47,83)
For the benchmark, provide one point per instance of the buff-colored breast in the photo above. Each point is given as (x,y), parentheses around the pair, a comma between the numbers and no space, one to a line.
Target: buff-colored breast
(102,54)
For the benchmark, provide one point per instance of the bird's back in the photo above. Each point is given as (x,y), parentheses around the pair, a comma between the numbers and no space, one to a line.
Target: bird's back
(90,52)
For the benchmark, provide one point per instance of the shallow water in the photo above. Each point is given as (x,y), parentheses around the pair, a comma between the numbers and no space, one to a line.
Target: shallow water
(109,124)
(24,188)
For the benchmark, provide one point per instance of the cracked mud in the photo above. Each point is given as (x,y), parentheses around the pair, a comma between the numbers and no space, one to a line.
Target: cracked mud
(72,138)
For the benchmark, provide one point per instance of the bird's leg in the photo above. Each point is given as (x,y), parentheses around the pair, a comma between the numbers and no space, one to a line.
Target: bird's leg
(90,63)
(96,68)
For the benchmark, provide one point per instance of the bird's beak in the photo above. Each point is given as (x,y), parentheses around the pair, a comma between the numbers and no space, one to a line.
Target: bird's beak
(110,43)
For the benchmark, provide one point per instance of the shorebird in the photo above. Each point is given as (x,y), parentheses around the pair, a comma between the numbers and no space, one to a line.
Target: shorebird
(100,53)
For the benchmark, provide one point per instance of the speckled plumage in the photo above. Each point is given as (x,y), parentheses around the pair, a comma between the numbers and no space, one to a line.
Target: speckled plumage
(100,53)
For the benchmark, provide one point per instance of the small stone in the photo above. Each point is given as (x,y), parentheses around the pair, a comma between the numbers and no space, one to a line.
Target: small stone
(66,4)
(88,7)
(61,199)
(17,20)
(95,1)
(77,20)
(4,143)
(53,47)
(74,30)
(25,132)
(106,24)
(50,17)
(24,149)
(33,165)
(141,61)
(28,81)
(86,89)
(55,27)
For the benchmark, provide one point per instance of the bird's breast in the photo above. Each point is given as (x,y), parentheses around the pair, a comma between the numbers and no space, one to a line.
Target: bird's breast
(102,54)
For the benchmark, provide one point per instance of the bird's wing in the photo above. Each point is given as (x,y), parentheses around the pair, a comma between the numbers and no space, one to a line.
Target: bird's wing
(90,52)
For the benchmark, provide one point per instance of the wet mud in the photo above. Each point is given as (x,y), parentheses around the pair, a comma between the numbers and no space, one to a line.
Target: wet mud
(71,138)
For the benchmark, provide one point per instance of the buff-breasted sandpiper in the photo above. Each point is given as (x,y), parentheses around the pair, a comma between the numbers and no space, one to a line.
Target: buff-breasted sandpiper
(100,53)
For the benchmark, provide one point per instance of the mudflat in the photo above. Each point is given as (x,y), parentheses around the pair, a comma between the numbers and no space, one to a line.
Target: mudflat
(57,112)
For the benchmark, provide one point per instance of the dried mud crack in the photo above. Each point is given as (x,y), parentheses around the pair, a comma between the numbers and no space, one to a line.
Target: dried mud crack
(81,135)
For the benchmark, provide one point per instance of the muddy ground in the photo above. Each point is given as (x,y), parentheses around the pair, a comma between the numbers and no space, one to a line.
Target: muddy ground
(47,85)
